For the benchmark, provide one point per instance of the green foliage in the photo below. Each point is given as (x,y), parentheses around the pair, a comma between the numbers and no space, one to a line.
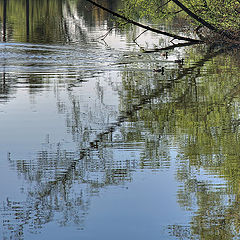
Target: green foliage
(152,10)
(223,14)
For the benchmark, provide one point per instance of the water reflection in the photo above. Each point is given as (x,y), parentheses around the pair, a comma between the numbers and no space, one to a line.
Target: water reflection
(80,120)
(50,21)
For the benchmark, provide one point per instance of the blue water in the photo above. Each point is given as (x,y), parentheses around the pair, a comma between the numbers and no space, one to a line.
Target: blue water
(96,145)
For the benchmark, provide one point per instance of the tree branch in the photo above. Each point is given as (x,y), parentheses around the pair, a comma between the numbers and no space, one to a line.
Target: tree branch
(186,44)
(163,5)
(140,35)
(203,22)
(144,26)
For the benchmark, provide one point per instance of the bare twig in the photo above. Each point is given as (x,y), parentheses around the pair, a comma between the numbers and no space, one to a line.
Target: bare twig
(139,35)
(108,32)
(164,4)
(178,11)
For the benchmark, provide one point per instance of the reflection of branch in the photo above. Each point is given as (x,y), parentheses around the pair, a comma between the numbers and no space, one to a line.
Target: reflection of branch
(186,71)
(50,185)
(201,62)
(144,26)
(93,145)
(146,99)
(106,34)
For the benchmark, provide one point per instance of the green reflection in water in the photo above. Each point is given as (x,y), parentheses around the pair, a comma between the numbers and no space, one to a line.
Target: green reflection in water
(44,21)
(192,108)
(198,105)
(33,21)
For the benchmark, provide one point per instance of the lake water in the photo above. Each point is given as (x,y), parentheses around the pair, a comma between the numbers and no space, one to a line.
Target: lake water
(94,144)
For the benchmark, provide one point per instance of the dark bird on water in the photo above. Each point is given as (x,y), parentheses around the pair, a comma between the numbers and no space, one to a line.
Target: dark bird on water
(161,70)
(179,61)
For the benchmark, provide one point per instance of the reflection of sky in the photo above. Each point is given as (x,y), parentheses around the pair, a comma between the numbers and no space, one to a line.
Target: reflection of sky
(24,128)
(145,201)
(139,209)
(10,182)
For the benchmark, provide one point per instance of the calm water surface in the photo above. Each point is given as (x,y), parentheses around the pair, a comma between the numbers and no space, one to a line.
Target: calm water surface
(96,145)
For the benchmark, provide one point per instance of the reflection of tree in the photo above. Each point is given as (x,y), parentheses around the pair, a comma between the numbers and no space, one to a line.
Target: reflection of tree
(60,187)
(156,110)
(69,199)
(203,120)
(33,21)
(48,21)
(210,142)
(6,89)
(4,19)
(179,108)
(62,180)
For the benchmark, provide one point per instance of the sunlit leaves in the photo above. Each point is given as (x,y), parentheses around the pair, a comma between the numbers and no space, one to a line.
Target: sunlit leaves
(221,14)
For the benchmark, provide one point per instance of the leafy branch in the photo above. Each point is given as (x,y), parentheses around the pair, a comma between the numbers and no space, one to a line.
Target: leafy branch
(174,36)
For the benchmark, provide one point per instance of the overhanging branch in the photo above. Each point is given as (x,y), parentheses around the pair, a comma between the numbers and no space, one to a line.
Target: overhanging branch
(144,26)
(203,22)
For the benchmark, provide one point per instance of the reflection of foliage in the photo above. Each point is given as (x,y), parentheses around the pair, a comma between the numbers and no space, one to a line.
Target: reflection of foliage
(5,87)
(61,187)
(43,18)
(194,106)
(209,141)
(61,180)
(50,21)
(199,107)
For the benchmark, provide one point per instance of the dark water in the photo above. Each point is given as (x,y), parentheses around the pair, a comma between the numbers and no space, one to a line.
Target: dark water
(96,145)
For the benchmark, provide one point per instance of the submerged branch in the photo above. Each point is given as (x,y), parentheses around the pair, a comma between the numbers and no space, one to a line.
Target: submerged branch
(144,26)
(186,44)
